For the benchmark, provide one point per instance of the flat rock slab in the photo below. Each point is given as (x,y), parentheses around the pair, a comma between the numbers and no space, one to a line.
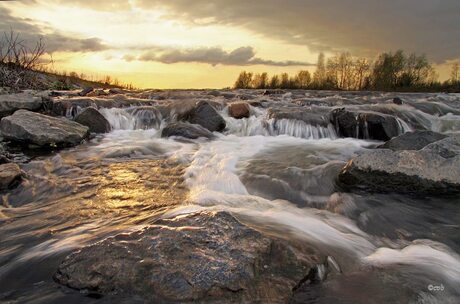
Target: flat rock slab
(205,257)
(12,102)
(435,169)
(186,130)
(10,175)
(42,130)
(412,140)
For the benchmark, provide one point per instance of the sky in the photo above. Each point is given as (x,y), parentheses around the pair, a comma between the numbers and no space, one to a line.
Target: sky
(206,43)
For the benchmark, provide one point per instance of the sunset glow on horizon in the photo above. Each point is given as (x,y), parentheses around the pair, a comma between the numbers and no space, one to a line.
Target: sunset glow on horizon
(173,44)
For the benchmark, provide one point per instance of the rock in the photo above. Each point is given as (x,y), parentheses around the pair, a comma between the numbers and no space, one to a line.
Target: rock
(412,140)
(86,91)
(97,93)
(273,92)
(41,130)
(207,117)
(10,176)
(239,110)
(207,257)
(116,91)
(366,125)
(186,130)
(9,103)
(398,101)
(94,120)
(312,115)
(435,169)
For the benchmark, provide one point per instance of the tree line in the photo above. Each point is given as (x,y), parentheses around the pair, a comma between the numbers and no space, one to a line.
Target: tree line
(389,72)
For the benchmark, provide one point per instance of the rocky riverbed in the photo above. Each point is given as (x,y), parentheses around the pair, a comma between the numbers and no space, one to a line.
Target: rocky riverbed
(229,196)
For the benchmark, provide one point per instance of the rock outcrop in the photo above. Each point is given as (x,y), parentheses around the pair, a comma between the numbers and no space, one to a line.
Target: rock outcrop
(207,117)
(207,257)
(37,129)
(365,125)
(435,169)
(186,130)
(94,120)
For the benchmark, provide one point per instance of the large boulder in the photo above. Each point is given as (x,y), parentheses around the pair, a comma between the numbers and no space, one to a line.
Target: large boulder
(41,130)
(186,130)
(366,125)
(10,175)
(435,169)
(412,140)
(9,103)
(239,110)
(94,120)
(207,117)
(207,257)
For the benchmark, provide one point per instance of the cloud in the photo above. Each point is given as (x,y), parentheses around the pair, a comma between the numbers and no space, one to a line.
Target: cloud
(54,41)
(241,56)
(363,27)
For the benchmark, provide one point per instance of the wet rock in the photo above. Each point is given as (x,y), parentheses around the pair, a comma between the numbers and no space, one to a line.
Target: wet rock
(312,115)
(41,130)
(116,91)
(97,93)
(86,91)
(412,140)
(9,103)
(10,176)
(435,169)
(207,117)
(239,110)
(273,92)
(398,101)
(94,120)
(186,130)
(207,257)
(367,125)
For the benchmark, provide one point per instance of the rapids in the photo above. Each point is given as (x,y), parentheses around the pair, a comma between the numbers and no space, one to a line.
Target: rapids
(275,175)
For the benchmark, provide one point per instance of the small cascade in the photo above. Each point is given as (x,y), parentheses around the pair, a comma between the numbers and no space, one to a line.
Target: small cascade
(298,128)
(133,118)
(259,124)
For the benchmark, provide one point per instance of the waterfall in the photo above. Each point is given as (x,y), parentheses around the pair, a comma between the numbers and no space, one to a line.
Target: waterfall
(133,118)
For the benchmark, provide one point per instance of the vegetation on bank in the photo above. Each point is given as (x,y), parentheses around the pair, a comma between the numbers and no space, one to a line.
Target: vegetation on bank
(29,66)
(389,72)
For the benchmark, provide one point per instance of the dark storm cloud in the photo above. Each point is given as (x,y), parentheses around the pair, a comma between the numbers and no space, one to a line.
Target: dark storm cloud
(214,56)
(29,32)
(363,27)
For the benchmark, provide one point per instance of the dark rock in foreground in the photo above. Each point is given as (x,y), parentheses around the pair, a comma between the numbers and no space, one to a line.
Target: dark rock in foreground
(186,130)
(10,175)
(365,125)
(435,169)
(94,120)
(204,257)
(32,128)
(239,110)
(412,140)
(207,117)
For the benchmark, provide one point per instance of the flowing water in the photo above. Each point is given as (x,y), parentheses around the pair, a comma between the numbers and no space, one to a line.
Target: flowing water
(277,175)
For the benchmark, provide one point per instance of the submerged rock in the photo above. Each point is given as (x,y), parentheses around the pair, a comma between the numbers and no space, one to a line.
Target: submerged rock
(313,115)
(9,103)
(10,175)
(207,257)
(207,117)
(41,130)
(239,110)
(435,169)
(366,125)
(185,130)
(94,120)
(412,140)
